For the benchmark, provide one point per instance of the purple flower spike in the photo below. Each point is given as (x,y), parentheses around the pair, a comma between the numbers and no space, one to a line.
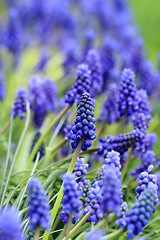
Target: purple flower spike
(83,127)
(111,191)
(13,34)
(80,171)
(82,84)
(10,224)
(137,217)
(71,202)
(38,206)
(93,61)
(109,112)
(128,93)
(19,106)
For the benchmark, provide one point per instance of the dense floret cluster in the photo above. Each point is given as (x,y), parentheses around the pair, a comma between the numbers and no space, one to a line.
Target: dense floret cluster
(137,217)
(84,128)
(82,84)
(71,202)
(38,206)
(19,105)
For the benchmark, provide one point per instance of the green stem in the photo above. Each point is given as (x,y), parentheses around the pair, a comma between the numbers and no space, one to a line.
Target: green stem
(124,170)
(5,127)
(68,226)
(63,232)
(37,145)
(114,234)
(60,194)
(90,150)
(81,222)
(37,234)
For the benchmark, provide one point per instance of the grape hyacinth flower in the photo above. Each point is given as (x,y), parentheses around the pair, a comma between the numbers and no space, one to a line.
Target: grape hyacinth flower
(42,97)
(145,178)
(128,93)
(150,140)
(71,202)
(2,87)
(111,191)
(94,235)
(13,33)
(41,149)
(71,57)
(108,59)
(10,224)
(120,143)
(44,58)
(83,127)
(19,105)
(137,217)
(143,104)
(38,206)
(147,159)
(37,98)
(80,171)
(94,64)
(82,84)
(94,199)
(112,159)
(50,90)
(89,38)
(147,77)
(109,112)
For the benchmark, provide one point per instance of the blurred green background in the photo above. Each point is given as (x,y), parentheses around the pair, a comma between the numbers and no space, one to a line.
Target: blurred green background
(147,17)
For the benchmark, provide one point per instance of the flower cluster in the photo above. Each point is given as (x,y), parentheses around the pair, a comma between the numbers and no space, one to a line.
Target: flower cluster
(113,159)
(71,202)
(80,171)
(111,191)
(146,179)
(143,103)
(19,105)
(38,206)
(137,217)
(94,64)
(41,149)
(82,84)
(120,143)
(13,33)
(10,224)
(94,200)
(83,127)
(109,112)
(128,93)
(42,97)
